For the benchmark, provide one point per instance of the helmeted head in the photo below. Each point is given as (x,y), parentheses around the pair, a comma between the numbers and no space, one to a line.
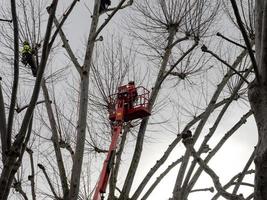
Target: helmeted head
(131,83)
(25,43)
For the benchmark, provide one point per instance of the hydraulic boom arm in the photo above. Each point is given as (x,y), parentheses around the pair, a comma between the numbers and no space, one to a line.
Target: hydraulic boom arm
(127,105)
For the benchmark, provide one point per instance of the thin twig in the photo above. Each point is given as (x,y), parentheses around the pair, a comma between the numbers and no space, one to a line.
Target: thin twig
(6,20)
(48,180)
(231,41)
(205,49)
(210,189)
(18,109)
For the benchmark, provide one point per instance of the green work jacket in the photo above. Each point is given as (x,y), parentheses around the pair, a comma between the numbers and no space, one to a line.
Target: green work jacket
(26,49)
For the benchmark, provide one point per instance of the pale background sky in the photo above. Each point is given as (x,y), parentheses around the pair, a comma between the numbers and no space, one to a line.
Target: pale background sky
(228,162)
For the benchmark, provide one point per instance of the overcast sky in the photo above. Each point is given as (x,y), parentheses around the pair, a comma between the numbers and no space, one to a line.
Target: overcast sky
(227,163)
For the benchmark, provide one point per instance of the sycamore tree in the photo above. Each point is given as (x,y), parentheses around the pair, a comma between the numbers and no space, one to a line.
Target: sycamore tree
(27,24)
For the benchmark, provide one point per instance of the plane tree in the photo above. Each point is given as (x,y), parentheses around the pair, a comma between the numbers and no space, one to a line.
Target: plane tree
(184,63)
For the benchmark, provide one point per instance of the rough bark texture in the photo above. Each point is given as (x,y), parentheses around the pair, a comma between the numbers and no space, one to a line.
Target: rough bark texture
(258,101)
(83,107)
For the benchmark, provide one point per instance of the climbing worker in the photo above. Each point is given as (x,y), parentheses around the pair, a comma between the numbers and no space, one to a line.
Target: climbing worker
(27,57)
(187,134)
(104,5)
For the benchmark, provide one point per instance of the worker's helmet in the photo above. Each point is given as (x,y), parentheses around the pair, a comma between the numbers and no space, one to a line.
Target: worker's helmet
(25,43)
(131,83)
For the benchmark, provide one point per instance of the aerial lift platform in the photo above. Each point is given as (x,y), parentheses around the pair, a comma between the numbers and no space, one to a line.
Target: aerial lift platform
(129,103)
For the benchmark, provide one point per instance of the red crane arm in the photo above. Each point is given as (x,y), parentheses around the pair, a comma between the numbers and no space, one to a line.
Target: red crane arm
(104,175)
(126,105)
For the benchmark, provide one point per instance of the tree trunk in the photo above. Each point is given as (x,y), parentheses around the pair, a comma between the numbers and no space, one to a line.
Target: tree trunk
(55,140)
(258,100)
(141,134)
(83,107)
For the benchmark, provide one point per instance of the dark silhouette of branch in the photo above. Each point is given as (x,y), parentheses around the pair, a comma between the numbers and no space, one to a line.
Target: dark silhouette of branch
(245,36)
(129,3)
(6,20)
(243,173)
(3,124)
(178,61)
(48,180)
(16,74)
(65,16)
(231,183)
(55,141)
(31,177)
(231,41)
(211,189)
(18,188)
(108,19)
(178,41)
(67,47)
(160,177)
(18,109)
(205,49)
(188,143)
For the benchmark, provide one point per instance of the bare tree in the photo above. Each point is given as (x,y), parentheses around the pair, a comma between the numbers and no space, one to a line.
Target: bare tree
(257,89)
(177,44)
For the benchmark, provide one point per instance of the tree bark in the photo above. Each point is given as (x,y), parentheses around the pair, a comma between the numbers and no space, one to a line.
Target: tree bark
(55,141)
(83,107)
(258,101)
(15,152)
(141,134)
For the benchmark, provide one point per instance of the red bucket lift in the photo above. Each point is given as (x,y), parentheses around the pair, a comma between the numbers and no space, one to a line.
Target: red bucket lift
(128,104)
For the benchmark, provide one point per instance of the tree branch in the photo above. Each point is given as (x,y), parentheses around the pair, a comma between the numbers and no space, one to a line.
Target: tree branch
(6,20)
(18,188)
(18,109)
(231,41)
(161,176)
(205,49)
(245,36)
(231,182)
(108,19)
(154,169)
(48,180)
(65,16)
(68,48)
(3,130)
(55,141)
(31,177)
(243,173)
(211,189)
(188,143)
(16,74)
